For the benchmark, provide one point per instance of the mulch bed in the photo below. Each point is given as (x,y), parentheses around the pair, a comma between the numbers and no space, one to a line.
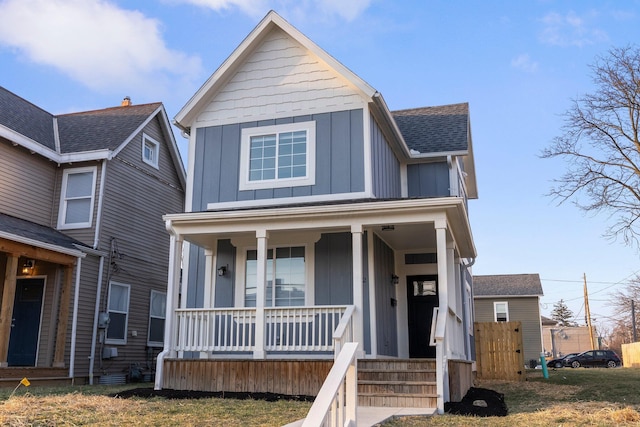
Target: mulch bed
(191,394)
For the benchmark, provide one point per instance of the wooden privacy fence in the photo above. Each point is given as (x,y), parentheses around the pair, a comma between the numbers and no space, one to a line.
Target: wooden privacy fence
(499,352)
(631,355)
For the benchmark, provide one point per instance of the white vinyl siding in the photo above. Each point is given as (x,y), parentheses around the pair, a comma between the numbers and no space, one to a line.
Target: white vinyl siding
(277,156)
(501,311)
(157,313)
(77,198)
(118,313)
(150,150)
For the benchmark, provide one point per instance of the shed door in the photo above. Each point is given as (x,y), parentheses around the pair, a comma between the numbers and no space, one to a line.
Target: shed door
(25,325)
(422,298)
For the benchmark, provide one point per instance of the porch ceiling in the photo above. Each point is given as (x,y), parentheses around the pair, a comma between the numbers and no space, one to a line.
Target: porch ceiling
(405,225)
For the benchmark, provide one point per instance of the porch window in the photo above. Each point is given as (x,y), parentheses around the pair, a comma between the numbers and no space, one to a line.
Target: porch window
(157,310)
(278,156)
(288,271)
(501,311)
(118,313)
(76,198)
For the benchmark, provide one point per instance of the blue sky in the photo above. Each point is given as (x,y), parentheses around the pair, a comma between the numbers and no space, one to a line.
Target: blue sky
(517,63)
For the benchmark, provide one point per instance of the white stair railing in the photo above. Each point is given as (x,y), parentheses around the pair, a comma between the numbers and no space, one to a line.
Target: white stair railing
(344,331)
(337,402)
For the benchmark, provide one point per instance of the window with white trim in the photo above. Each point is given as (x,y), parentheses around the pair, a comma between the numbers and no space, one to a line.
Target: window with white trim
(278,156)
(288,269)
(118,309)
(501,311)
(77,198)
(157,313)
(150,150)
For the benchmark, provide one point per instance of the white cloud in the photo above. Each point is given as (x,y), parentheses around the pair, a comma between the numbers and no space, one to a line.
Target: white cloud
(571,29)
(524,62)
(95,42)
(346,9)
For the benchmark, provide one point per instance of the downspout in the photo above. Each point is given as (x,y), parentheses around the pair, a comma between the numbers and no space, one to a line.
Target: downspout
(95,321)
(74,325)
(103,174)
(173,276)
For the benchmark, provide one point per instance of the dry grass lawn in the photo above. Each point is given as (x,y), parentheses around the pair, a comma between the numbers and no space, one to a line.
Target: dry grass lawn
(570,397)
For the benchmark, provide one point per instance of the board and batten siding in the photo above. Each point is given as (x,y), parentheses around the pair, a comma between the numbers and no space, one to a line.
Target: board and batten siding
(386,305)
(279,78)
(523,309)
(26,185)
(339,160)
(428,180)
(385,166)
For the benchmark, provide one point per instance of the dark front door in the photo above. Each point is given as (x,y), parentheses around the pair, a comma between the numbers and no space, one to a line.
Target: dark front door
(422,298)
(25,325)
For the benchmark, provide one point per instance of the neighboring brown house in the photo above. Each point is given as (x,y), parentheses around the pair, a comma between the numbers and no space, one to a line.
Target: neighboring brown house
(511,297)
(83,247)
(559,341)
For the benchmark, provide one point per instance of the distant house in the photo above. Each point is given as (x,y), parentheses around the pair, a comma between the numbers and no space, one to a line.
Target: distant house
(313,210)
(559,341)
(83,247)
(512,297)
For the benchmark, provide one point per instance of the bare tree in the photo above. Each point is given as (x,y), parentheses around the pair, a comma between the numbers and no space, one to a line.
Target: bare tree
(600,142)
(620,301)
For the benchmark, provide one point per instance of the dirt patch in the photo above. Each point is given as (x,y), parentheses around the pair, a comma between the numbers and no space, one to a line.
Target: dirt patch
(479,402)
(191,394)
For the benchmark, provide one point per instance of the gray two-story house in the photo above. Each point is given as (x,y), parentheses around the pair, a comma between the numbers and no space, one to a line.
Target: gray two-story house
(83,248)
(309,205)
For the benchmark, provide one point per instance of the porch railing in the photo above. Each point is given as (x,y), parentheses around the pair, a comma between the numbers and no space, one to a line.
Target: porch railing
(287,329)
(337,401)
(344,332)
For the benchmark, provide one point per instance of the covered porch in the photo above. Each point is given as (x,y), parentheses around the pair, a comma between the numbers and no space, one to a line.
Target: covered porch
(362,294)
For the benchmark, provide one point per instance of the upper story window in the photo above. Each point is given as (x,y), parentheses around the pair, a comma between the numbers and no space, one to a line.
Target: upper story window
(501,311)
(150,150)
(278,156)
(77,198)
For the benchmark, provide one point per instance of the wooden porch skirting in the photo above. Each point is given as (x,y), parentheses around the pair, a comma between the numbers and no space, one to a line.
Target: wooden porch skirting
(11,376)
(287,377)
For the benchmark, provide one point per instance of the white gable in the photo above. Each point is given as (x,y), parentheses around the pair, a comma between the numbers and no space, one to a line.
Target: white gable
(280,78)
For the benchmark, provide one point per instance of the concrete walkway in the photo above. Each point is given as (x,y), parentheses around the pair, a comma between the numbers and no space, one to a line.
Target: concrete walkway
(369,416)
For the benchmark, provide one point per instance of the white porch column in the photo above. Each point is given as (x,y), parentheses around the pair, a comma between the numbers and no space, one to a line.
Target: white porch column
(209,286)
(442,375)
(358,298)
(173,293)
(261,264)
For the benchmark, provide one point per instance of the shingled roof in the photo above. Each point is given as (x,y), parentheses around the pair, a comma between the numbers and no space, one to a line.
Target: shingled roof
(26,119)
(507,285)
(101,129)
(435,129)
(38,234)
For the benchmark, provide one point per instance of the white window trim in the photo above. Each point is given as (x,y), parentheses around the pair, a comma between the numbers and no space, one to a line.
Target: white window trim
(309,265)
(62,209)
(126,322)
(146,138)
(164,317)
(247,133)
(495,311)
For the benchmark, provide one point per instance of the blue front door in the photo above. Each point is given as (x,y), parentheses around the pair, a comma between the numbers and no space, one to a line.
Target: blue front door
(25,324)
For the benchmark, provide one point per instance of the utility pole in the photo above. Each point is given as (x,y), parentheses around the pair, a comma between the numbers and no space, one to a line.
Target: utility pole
(633,321)
(587,312)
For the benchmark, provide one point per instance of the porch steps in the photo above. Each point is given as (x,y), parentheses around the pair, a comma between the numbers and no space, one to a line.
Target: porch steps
(11,377)
(409,383)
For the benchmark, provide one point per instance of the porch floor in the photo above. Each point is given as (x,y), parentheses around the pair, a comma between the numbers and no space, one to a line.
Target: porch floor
(369,416)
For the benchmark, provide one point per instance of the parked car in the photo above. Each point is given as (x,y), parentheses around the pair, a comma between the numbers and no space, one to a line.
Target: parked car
(595,358)
(560,361)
